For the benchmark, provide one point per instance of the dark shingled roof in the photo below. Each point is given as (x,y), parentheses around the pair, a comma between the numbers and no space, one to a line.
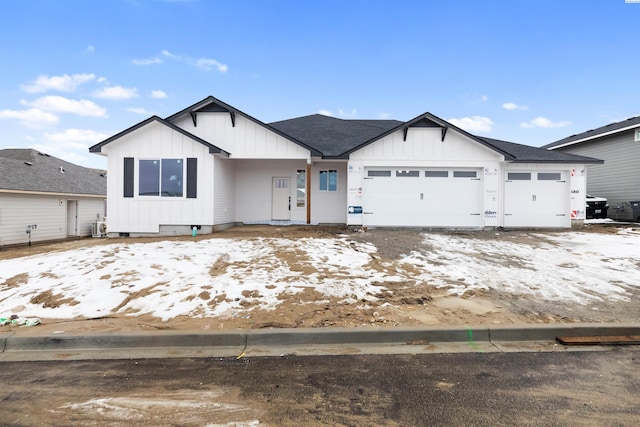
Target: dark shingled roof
(26,169)
(331,136)
(630,122)
(334,137)
(527,154)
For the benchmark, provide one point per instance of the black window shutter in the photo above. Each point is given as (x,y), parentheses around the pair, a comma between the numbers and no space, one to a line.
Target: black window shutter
(192,178)
(128,177)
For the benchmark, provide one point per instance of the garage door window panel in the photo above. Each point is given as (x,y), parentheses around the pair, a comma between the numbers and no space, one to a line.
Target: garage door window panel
(465,174)
(549,176)
(379,174)
(436,174)
(407,174)
(519,176)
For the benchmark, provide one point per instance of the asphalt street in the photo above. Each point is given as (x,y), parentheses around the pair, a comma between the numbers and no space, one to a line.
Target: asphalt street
(582,388)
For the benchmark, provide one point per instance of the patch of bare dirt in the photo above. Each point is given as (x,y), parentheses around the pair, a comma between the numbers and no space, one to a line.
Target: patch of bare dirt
(15,281)
(50,300)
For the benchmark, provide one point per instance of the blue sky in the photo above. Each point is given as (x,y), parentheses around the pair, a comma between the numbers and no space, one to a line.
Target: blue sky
(75,72)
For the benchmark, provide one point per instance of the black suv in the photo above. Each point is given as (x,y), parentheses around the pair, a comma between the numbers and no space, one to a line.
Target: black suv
(596,207)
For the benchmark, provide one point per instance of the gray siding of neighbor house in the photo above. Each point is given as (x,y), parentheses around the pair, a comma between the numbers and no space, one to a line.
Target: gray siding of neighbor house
(618,179)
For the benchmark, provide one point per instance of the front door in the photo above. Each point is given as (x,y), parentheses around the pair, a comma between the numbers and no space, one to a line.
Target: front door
(281,199)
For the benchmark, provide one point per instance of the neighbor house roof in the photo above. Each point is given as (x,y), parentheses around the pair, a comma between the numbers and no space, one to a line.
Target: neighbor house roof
(28,170)
(624,125)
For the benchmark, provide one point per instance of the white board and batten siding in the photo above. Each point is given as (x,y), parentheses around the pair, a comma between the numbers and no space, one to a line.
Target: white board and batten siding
(48,213)
(140,214)
(424,181)
(246,140)
(254,191)
(224,190)
(328,207)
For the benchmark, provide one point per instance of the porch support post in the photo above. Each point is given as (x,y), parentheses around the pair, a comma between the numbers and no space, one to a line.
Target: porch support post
(308,191)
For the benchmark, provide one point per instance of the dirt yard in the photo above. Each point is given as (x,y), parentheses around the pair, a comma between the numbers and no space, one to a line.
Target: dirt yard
(406,303)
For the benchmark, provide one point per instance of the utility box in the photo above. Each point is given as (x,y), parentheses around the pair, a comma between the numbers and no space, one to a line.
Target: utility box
(635,209)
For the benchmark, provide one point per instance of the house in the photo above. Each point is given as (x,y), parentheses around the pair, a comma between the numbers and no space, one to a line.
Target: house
(45,198)
(212,166)
(618,179)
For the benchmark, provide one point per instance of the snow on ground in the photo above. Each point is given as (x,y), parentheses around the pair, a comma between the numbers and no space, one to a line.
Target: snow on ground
(574,267)
(167,279)
(218,276)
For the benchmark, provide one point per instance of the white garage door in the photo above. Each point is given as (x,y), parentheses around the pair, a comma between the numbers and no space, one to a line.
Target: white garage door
(421,197)
(537,199)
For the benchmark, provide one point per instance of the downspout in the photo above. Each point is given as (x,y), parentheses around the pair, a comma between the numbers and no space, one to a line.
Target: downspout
(308,191)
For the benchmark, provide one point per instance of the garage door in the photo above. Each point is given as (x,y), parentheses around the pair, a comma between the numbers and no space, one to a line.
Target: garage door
(537,199)
(421,197)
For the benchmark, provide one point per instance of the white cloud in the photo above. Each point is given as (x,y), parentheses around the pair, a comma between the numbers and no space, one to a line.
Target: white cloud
(512,106)
(33,117)
(169,54)
(207,64)
(116,93)
(158,94)
(473,124)
(141,111)
(343,113)
(484,98)
(63,83)
(384,116)
(146,61)
(543,122)
(61,104)
(75,138)
(91,48)
(325,113)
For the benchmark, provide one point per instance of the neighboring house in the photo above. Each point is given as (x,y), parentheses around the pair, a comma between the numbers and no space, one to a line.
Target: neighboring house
(48,197)
(211,166)
(618,179)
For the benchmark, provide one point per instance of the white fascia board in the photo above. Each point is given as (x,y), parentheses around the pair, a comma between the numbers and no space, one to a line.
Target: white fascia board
(600,135)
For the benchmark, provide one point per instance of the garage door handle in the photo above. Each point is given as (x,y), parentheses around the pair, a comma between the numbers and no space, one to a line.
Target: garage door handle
(561,214)
(475,214)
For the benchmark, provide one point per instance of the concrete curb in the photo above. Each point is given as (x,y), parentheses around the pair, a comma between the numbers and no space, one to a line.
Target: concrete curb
(310,337)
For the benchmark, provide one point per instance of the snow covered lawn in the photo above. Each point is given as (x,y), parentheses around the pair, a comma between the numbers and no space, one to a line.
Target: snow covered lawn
(224,277)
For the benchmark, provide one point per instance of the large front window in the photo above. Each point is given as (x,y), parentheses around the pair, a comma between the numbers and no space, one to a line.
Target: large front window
(161,177)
